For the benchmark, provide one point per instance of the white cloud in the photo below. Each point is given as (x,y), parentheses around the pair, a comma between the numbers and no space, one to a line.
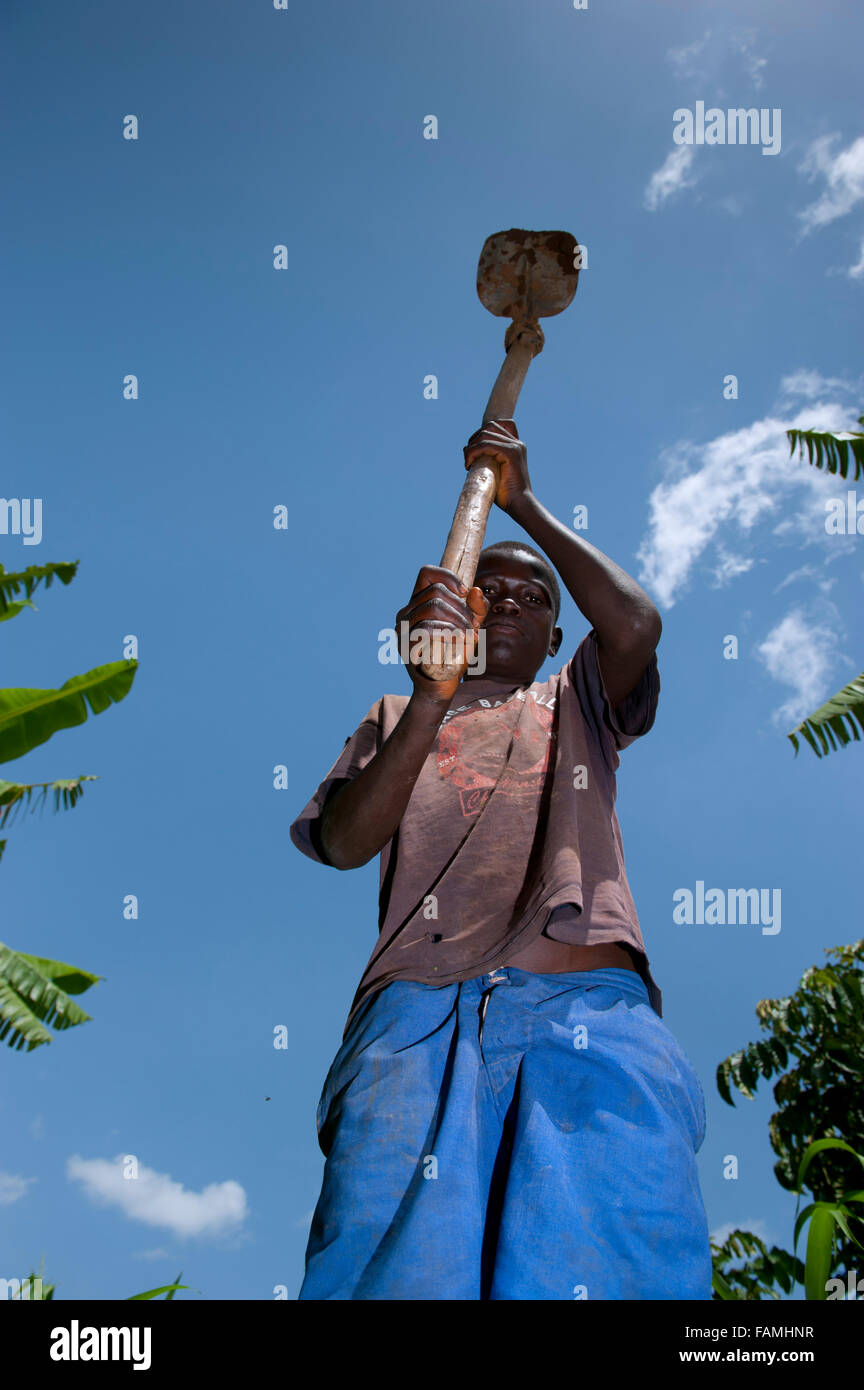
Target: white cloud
(160,1253)
(729,566)
(743,42)
(670,178)
(806,384)
(737,480)
(804,572)
(685,60)
(800,651)
(158,1200)
(37,1128)
(703,60)
(13,1188)
(856,271)
(844,175)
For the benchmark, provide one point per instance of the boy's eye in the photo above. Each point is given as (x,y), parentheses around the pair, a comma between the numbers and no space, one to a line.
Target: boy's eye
(490,588)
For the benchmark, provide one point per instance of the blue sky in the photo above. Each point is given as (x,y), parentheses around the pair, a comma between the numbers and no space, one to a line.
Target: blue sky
(303,388)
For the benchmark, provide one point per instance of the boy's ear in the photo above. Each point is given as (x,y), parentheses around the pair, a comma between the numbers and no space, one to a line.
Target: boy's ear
(555,641)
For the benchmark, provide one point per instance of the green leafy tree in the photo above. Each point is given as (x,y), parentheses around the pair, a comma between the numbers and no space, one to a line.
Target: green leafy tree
(35,992)
(837,722)
(763,1273)
(815,1046)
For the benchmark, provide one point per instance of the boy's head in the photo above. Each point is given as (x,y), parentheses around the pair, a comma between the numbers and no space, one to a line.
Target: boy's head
(524,602)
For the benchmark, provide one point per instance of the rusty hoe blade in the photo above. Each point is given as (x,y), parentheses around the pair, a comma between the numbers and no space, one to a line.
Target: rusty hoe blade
(526,276)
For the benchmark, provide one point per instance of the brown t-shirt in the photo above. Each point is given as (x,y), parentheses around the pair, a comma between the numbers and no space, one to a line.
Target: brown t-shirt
(510,829)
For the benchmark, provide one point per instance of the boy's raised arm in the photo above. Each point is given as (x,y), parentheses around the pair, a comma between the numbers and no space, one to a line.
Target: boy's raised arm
(627,623)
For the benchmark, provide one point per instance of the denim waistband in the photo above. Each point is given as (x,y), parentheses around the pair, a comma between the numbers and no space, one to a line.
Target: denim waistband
(628,981)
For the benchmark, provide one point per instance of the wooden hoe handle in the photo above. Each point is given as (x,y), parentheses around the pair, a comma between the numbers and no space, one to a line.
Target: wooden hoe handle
(465,541)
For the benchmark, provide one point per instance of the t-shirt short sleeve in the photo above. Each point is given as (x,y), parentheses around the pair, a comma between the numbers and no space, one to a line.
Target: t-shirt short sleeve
(359,750)
(615,726)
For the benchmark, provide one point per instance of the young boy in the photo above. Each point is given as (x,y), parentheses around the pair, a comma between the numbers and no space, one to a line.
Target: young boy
(508,1117)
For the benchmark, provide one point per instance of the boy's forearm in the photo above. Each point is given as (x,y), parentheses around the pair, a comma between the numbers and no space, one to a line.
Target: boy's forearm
(614,604)
(364,814)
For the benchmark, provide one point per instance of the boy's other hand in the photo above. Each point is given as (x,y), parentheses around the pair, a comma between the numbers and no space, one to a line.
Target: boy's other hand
(440,600)
(499,439)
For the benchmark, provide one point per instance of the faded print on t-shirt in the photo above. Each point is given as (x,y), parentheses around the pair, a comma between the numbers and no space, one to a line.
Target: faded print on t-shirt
(469,761)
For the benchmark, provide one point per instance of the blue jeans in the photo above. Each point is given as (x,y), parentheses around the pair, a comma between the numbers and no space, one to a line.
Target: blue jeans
(514,1136)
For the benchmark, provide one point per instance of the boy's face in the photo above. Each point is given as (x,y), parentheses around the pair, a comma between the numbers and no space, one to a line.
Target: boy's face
(520,625)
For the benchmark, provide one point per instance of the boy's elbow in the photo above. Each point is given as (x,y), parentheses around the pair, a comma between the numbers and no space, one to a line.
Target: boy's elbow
(334,860)
(334,855)
(644,634)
